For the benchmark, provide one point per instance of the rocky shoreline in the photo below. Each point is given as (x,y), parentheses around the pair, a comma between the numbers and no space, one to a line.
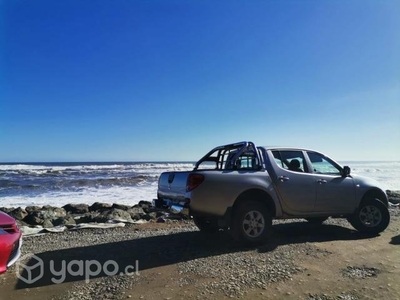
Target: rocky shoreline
(71,215)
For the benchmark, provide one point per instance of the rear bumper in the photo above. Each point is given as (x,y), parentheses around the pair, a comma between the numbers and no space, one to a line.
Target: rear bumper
(175,207)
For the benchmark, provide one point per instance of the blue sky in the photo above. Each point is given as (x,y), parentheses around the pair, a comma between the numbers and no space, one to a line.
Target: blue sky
(169,80)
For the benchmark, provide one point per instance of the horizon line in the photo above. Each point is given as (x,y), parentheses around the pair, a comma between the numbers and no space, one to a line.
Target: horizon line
(148,161)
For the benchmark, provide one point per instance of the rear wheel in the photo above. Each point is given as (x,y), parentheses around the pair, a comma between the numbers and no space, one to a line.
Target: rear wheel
(251,223)
(317,220)
(372,216)
(208,225)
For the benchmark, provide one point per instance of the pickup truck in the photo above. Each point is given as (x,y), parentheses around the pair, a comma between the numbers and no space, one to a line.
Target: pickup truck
(242,188)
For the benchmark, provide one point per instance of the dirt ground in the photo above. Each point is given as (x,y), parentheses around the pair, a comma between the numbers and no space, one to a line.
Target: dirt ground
(322,276)
(322,279)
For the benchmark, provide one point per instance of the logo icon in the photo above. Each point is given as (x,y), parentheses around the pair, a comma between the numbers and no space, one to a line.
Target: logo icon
(32,272)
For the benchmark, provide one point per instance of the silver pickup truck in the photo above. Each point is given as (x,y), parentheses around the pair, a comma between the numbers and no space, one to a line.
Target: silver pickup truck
(242,187)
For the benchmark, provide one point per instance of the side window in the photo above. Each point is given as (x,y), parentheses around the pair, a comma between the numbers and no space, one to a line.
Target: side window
(278,159)
(322,165)
(290,160)
(247,162)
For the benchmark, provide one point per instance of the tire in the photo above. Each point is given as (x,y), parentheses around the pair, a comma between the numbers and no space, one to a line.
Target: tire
(251,223)
(207,225)
(317,220)
(372,216)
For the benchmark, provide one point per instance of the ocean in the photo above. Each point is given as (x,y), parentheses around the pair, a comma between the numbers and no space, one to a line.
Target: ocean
(57,184)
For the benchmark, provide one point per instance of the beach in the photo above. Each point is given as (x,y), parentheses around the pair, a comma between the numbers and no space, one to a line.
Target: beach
(176,261)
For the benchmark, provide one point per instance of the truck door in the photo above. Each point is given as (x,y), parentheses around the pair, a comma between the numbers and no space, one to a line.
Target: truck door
(294,184)
(335,193)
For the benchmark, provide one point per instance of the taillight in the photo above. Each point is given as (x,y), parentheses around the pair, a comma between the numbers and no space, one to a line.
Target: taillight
(193,181)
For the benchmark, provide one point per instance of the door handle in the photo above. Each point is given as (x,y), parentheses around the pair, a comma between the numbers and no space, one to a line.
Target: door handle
(283,178)
(321,181)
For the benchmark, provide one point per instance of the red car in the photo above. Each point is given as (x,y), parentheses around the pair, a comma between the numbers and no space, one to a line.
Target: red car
(10,242)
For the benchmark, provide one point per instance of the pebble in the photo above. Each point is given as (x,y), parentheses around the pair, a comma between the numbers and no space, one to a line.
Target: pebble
(229,270)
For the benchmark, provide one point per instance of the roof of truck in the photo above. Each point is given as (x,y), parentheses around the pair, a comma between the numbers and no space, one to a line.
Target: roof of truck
(286,148)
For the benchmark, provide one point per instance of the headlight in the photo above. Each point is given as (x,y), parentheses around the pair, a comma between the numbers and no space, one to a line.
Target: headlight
(2,231)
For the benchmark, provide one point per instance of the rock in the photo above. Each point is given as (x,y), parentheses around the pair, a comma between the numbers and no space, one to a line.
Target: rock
(30,209)
(47,224)
(394,196)
(76,208)
(160,214)
(21,223)
(7,210)
(97,206)
(121,206)
(153,215)
(18,213)
(146,205)
(147,217)
(87,218)
(52,212)
(160,220)
(32,219)
(136,213)
(68,220)
(46,213)
(112,214)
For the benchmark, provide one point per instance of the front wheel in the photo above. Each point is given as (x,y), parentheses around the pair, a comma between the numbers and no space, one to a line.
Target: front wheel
(371,217)
(251,223)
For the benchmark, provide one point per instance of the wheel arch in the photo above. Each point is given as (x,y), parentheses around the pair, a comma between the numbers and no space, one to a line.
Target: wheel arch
(259,196)
(375,193)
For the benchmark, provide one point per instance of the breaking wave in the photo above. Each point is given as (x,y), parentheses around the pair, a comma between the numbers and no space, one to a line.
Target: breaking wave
(62,183)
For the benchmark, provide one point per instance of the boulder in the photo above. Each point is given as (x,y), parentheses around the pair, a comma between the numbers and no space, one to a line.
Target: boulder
(394,196)
(97,206)
(145,204)
(113,214)
(47,224)
(136,213)
(87,218)
(7,210)
(18,213)
(21,223)
(121,206)
(32,219)
(150,216)
(46,213)
(76,208)
(68,220)
(52,212)
(142,203)
(30,209)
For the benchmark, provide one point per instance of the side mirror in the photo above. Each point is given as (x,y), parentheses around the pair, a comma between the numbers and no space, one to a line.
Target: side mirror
(346,171)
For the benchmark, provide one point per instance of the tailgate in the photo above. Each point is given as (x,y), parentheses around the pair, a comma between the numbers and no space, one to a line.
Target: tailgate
(172,186)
